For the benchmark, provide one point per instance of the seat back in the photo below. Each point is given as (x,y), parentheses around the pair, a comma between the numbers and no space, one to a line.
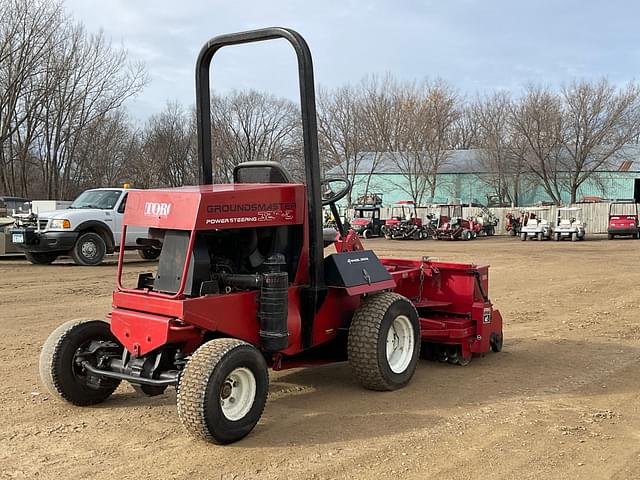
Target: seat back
(261,172)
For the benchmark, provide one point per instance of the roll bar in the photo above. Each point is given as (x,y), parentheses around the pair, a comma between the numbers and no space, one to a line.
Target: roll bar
(317,288)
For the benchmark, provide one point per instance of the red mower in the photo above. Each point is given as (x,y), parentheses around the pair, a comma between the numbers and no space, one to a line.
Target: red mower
(242,285)
(623,219)
(453,227)
(407,225)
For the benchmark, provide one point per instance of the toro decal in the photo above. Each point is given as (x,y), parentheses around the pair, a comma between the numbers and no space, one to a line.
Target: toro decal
(156,209)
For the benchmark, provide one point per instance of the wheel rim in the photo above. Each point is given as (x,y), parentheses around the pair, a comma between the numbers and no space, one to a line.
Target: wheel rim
(237,394)
(400,343)
(89,249)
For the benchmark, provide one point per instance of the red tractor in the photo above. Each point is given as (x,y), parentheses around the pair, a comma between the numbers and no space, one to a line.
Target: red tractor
(623,219)
(242,285)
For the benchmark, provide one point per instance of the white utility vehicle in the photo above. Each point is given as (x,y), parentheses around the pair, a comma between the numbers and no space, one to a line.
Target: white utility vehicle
(535,224)
(87,230)
(568,225)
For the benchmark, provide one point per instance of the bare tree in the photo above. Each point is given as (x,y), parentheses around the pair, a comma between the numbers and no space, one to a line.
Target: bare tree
(503,148)
(440,114)
(465,130)
(538,118)
(341,129)
(252,126)
(27,31)
(169,144)
(599,120)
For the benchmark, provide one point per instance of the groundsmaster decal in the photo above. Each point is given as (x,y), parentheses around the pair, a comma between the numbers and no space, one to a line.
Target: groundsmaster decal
(258,212)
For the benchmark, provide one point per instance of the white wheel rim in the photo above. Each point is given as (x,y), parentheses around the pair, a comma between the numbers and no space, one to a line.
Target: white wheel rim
(238,393)
(400,343)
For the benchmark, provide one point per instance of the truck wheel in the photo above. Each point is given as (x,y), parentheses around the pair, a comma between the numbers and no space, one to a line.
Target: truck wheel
(574,237)
(41,258)
(60,368)
(223,390)
(367,233)
(89,249)
(523,237)
(149,253)
(384,342)
(610,236)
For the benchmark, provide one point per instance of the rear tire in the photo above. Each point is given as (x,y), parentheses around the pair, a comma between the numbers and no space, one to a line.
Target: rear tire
(223,390)
(496,342)
(61,373)
(367,233)
(149,253)
(89,249)
(41,258)
(384,342)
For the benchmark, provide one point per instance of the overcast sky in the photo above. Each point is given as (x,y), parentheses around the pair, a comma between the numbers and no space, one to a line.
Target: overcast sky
(476,45)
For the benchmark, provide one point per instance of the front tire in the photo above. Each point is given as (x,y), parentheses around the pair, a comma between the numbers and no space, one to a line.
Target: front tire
(523,237)
(60,369)
(89,249)
(384,342)
(223,390)
(41,258)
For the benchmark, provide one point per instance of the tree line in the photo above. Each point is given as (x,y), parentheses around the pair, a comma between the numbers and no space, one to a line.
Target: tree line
(64,125)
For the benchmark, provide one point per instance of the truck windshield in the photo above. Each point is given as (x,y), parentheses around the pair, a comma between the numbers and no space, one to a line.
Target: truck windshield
(101,199)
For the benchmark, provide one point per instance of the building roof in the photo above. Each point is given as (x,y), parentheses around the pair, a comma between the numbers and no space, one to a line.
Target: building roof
(470,161)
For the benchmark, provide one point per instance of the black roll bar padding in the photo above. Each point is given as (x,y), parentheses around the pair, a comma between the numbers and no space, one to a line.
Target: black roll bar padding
(309,134)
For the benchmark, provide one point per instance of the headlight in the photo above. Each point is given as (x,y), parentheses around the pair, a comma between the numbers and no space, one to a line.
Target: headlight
(60,224)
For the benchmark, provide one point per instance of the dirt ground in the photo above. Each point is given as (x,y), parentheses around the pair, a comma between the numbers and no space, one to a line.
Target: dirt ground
(561,401)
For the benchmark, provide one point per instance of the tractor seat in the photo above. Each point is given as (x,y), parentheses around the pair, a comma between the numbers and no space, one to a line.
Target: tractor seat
(261,172)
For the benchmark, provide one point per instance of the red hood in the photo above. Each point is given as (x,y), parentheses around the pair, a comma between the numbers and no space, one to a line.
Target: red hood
(360,221)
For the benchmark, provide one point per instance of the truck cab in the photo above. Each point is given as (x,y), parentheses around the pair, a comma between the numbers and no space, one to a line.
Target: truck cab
(87,230)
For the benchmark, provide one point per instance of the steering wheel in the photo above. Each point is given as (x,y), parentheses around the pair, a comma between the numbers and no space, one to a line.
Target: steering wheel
(329,196)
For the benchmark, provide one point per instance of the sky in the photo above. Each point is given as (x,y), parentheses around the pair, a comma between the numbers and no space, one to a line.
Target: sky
(477,46)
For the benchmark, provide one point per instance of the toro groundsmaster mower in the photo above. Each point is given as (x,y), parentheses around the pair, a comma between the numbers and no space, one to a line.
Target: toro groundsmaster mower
(453,227)
(407,225)
(242,285)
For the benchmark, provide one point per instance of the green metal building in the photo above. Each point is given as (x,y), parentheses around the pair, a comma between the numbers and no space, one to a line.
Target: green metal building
(463,179)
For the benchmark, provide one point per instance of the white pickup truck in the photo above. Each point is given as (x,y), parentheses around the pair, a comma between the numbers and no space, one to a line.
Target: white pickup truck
(86,231)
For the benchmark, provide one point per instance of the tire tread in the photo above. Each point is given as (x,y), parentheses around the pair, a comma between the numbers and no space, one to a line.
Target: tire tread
(363,339)
(192,388)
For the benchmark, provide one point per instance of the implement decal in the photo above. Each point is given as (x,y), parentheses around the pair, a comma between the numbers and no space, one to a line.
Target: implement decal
(261,212)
